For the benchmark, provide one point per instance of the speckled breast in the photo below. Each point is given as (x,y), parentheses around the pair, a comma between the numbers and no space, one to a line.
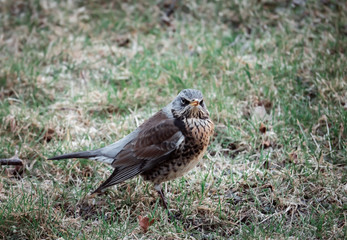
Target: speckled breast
(197,133)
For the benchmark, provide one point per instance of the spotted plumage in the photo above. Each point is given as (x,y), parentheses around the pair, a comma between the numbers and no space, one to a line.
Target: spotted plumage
(164,147)
(197,133)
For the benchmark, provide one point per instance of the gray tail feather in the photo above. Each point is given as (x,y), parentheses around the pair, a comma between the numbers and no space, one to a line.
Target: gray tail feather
(86,154)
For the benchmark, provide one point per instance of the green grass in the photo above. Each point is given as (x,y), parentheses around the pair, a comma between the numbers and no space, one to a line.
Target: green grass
(78,76)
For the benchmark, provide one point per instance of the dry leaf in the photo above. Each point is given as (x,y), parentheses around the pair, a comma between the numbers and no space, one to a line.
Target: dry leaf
(262,128)
(13,124)
(267,104)
(293,157)
(145,223)
(266,144)
(123,41)
(49,135)
(342,128)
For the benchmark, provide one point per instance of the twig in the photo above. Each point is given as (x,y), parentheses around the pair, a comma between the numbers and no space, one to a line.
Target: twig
(11,161)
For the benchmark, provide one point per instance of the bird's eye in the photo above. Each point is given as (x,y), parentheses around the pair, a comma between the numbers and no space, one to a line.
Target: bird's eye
(201,102)
(184,101)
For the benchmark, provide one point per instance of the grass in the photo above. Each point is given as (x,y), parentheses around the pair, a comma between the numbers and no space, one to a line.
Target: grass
(77,76)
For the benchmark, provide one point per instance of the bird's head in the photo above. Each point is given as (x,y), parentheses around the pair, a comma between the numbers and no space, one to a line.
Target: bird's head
(189,103)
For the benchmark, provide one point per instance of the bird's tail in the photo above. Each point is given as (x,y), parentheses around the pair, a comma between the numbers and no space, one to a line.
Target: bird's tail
(86,154)
(95,155)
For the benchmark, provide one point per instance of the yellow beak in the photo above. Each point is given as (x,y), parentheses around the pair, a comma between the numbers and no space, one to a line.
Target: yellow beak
(194,103)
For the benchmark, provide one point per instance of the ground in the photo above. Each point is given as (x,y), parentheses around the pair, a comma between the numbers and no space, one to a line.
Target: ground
(78,76)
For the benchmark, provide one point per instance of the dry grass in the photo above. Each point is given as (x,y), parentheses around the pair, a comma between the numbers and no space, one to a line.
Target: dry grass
(79,76)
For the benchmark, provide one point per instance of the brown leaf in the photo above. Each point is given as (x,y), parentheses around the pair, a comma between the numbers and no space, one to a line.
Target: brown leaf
(342,129)
(123,41)
(13,124)
(266,144)
(268,186)
(267,104)
(145,223)
(293,157)
(49,135)
(262,128)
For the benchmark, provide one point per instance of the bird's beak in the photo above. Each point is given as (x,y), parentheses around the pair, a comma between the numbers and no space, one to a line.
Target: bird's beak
(194,103)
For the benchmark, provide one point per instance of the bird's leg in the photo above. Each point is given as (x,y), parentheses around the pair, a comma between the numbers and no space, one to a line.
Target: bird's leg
(158,188)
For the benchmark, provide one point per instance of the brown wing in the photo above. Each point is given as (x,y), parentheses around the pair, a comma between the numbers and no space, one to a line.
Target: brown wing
(153,145)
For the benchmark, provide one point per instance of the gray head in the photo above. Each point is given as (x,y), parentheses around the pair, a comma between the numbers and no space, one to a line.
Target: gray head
(189,103)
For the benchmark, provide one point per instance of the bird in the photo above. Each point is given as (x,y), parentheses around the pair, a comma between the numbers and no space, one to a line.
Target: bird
(164,147)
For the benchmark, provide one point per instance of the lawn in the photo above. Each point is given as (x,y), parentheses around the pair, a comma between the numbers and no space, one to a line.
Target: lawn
(78,75)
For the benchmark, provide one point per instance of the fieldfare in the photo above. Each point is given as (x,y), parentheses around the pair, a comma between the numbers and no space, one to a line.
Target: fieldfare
(164,147)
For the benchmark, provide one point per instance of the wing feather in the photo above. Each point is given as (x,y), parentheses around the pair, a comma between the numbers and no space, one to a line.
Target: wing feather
(153,145)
